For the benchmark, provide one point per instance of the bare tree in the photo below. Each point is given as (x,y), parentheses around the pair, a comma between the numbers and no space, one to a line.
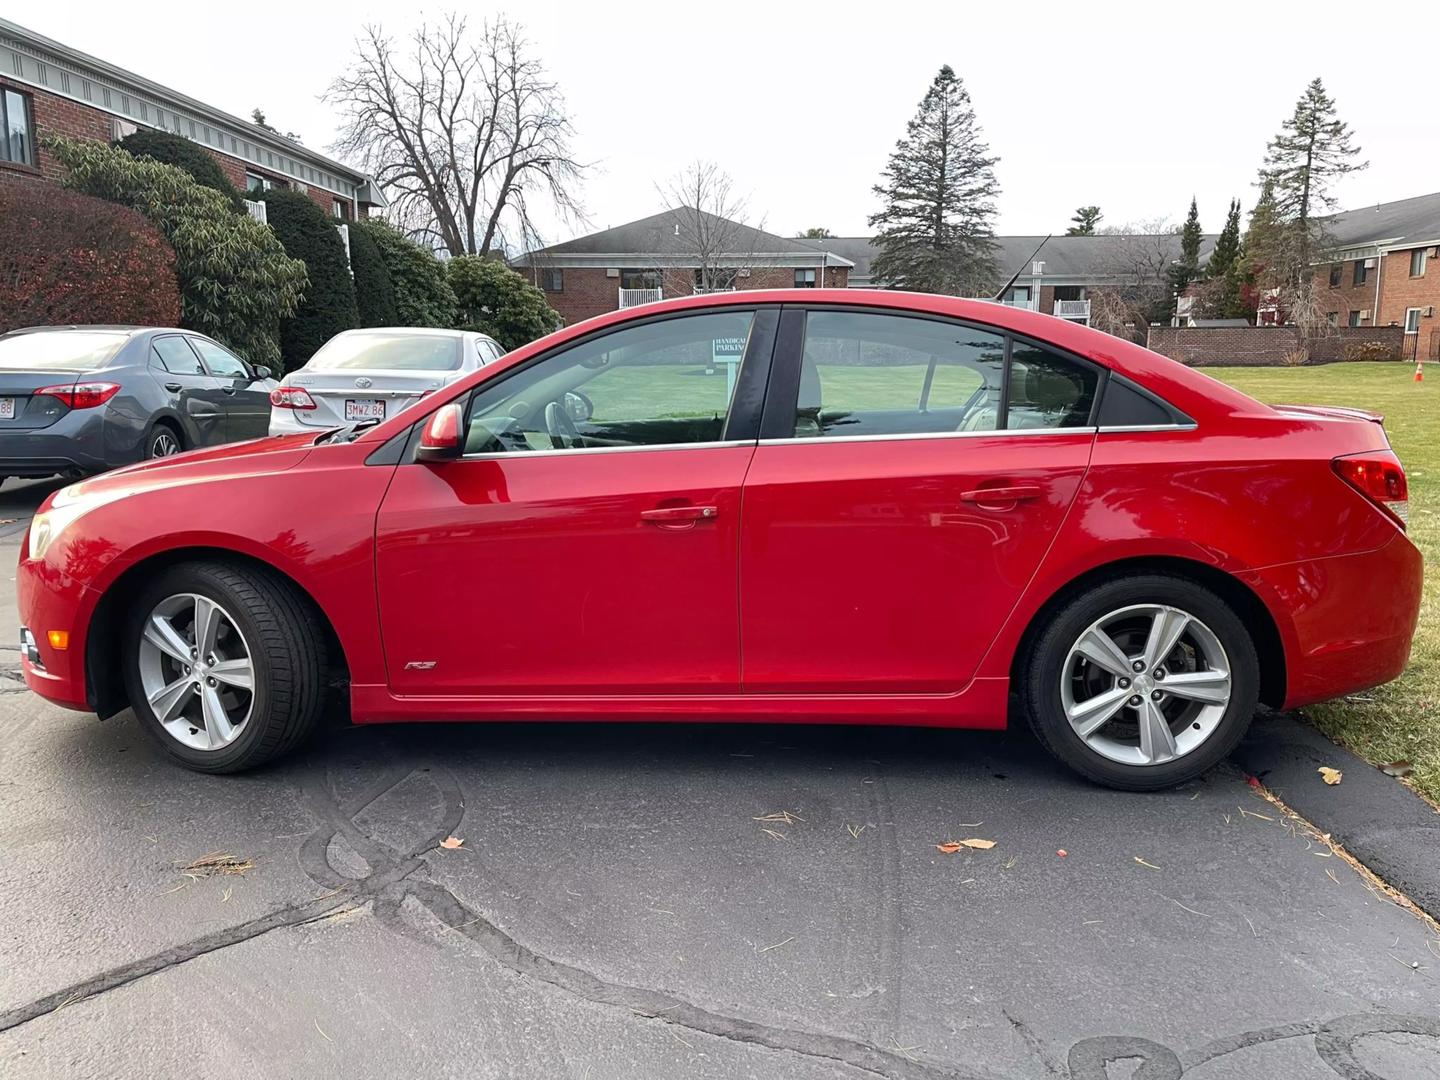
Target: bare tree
(711,223)
(1136,260)
(460,130)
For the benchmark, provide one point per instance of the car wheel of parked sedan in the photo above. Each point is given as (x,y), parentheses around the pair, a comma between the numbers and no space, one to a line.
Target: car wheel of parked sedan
(1142,683)
(224,665)
(163,442)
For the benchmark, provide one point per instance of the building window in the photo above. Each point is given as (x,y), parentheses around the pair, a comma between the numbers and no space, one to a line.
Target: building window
(640,279)
(552,279)
(1417,262)
(1358,277)
(1336,269)
(804,279)
(721,279)
(1412,320)
(1354,318)
(254,183)
(17,141)
(337,208)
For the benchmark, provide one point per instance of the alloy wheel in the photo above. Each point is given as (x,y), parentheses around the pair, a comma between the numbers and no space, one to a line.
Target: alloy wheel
(163,443)
(197,671)
(1145,684)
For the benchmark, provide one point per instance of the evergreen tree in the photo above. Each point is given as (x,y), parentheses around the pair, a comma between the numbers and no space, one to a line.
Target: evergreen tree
(934,231)
(1085,220)
(1227,244)
(1187,268)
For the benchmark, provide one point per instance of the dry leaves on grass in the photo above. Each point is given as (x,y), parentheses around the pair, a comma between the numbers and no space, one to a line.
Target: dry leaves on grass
(450,843)
(952,846)
(1329,775)
(1397,769)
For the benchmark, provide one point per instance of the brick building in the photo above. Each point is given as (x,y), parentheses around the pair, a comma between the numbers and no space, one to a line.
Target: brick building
(1384,270)
(49,87)
(674,253)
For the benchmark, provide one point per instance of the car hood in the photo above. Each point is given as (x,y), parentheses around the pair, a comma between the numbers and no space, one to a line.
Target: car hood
(268,455)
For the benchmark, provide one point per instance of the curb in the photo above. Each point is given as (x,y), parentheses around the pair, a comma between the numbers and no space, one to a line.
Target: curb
(1376,818)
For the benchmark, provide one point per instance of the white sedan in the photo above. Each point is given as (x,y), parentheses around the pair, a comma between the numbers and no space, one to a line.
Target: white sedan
(372,374)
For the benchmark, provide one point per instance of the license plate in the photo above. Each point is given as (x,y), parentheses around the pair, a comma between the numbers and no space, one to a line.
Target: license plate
(7,408)
(364,409)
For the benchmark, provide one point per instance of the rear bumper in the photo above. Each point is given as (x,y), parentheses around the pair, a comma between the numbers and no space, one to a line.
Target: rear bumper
(1351,618)
(75,443)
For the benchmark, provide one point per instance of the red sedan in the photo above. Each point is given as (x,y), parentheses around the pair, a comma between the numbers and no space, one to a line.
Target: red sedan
(818,506)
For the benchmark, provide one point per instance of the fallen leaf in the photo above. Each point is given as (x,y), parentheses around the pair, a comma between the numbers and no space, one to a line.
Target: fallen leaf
(981,845)
(950,847)
(450,843)
(1331,776)
(1397,768)
(1062,853)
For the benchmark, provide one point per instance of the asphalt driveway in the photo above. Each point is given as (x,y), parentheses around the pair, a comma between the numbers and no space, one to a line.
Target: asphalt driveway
(671,901)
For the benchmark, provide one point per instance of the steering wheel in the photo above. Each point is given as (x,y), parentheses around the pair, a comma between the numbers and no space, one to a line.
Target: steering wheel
(560,428)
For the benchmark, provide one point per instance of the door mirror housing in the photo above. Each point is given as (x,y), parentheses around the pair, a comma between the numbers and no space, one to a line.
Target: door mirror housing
(441,438)
(578,407)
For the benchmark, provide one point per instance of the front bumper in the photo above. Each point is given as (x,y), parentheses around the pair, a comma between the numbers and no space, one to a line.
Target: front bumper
(1351,618)
(51,601)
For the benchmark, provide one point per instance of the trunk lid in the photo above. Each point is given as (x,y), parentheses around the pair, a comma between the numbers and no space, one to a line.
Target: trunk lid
(345,396)
(22,410)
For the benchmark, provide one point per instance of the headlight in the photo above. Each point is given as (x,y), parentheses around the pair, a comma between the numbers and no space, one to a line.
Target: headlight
(69,505)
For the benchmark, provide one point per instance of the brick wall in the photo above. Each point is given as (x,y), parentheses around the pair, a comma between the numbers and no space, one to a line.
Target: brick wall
(1268,346)
(1344,298)
(589,291)
(1399,291)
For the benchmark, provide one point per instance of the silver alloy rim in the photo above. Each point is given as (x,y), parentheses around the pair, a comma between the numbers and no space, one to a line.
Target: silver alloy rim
(1146,684)
(196,671)
(164,444)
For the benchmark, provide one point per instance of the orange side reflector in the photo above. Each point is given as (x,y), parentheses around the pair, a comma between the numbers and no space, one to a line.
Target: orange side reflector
(59,639)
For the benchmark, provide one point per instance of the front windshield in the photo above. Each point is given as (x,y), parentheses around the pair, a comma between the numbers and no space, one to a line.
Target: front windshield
(388,352)
(58,350)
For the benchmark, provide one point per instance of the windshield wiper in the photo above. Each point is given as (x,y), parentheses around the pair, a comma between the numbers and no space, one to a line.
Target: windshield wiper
(349,432)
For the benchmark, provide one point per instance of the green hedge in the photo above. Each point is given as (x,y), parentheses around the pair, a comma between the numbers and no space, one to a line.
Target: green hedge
(236,282)
(184,154)
(374,288)
(328,306)
(422,294)
(495,300)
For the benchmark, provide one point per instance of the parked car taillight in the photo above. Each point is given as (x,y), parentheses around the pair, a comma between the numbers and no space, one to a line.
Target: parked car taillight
(291,397)
(1379,476)
(82,395)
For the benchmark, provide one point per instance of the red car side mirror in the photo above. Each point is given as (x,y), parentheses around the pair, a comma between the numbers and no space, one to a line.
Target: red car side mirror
(440,440)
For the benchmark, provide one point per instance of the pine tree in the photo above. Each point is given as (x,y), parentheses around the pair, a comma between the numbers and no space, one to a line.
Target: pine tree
(1085,219)
(1187,268)
(1227,244)
(938,189)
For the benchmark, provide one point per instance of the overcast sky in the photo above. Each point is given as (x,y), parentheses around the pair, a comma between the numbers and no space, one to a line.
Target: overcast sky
(1134,107)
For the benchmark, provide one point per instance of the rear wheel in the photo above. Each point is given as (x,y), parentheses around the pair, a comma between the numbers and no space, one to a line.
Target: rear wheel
(1142,683)
(224,665)
(163,441)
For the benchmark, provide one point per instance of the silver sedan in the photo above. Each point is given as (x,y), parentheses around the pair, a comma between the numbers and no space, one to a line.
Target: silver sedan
(373,374)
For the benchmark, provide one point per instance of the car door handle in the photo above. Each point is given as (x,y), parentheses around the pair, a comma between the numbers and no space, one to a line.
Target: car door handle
(1018,493)
(173,387)
(228,389)
(678,517)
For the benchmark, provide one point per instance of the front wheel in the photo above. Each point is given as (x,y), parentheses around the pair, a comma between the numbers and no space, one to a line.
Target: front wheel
(1141,683)
(224,665)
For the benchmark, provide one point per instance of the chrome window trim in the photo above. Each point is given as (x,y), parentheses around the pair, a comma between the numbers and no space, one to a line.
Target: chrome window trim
(913,435)
(521,455)
(1122,428)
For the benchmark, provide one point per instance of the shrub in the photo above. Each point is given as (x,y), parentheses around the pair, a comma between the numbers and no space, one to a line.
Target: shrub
(1295,357)
(328,306)
(495,300)
(374,289)
(422,295)
(184,154)
(1370,350)
(236,282)
(68,258)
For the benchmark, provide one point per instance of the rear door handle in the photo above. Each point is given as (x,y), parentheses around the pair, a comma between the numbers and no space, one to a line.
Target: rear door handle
(1018,493)
(173,387)
(678,517)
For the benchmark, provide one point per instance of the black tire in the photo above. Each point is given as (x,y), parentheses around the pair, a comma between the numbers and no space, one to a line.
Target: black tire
(1041,673)
(287,646)
(159,432)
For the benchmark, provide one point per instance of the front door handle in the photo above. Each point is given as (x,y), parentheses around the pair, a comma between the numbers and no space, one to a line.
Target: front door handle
(173,387)
(679,517)
(1001,495)
(228,389)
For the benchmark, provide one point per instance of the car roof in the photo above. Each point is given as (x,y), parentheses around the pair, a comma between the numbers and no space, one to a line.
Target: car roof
(412,331)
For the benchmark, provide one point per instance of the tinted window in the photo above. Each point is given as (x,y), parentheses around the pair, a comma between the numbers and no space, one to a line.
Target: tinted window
(176,357)
(661,383)
(68,350)
(388,352)
(870,374)
(1047,390)
(222,363)
(1125,406)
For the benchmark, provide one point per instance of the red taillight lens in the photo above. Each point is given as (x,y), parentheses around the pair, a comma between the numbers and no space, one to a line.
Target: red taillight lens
(82,395)
(291,397)
(1380,477)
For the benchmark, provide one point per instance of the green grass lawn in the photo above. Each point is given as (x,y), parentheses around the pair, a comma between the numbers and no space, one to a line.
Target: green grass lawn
(1401,719)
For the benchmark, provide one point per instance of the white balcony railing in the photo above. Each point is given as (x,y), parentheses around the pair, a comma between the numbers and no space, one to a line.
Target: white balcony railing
(1079,310)
(1020,302)
(256,209)
(635,297)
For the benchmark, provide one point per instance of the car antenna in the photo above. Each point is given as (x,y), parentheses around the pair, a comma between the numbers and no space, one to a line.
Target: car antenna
(1009,284)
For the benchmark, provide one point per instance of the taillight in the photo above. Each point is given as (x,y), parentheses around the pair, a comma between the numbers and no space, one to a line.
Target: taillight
(1379,476)
(82,395)
(291,397)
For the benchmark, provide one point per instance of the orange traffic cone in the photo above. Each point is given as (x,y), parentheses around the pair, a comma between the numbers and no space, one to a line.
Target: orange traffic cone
(1419,370)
